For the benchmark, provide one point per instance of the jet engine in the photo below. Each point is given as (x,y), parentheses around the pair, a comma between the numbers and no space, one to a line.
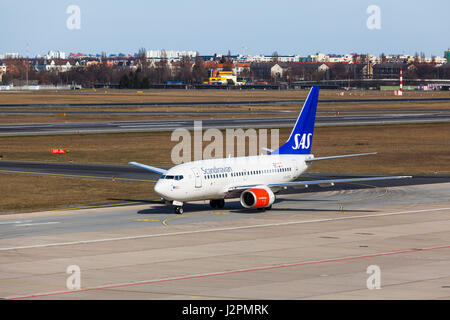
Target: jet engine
(258,197)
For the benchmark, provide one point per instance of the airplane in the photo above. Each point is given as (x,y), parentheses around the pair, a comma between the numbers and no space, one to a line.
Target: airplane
(253,179)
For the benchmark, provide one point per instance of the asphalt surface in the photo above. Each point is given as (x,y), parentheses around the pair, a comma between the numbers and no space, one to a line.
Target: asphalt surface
(131,173)
(92,171)
(222,103)
(309,246)
(314,200)
(214,112)
(315,243)
(166,125)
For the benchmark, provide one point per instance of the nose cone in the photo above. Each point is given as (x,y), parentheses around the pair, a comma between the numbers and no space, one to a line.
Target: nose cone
(159,189)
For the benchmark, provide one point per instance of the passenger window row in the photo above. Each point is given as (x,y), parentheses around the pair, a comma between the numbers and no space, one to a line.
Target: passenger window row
(216,176)
(246,173)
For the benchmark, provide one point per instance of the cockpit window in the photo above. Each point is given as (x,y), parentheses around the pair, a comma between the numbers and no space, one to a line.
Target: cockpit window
(172,177)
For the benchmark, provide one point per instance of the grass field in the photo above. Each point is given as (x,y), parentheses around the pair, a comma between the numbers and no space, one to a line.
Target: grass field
(402,149)
(132,96)
(412,148)
(127,96)
(25,193)
(60,115)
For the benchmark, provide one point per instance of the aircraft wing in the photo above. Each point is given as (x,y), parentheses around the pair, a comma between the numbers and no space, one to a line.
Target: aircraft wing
(329,182)
(333,181)
(150,168)
(342,156)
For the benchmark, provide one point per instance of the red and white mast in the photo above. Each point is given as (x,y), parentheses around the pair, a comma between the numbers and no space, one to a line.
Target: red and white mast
(400,92)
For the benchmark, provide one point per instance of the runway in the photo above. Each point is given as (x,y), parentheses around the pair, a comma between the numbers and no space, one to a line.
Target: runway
(313,245)
(167,125)
(210,113)
(219,103)
(128,173)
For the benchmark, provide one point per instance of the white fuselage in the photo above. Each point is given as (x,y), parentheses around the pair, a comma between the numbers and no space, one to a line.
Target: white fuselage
(212,178)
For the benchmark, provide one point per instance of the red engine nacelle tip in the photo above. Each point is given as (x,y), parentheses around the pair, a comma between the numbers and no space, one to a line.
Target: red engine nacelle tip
(260,197)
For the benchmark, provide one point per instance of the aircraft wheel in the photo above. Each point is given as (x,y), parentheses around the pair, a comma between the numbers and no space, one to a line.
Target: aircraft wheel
(179,210)
(213,203)
(220,203)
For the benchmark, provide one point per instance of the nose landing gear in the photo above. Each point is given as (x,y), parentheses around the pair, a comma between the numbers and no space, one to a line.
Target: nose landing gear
(178,207)
(179,210)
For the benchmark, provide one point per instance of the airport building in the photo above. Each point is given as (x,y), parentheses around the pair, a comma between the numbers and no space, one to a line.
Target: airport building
(169,54)
(222,77)
(10,55)
(56,55)
(2,70)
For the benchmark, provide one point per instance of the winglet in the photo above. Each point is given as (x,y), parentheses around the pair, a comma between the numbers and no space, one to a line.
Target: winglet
(150,168)
(267,149)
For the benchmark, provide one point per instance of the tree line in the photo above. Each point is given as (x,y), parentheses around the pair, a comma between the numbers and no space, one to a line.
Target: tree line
(144,74)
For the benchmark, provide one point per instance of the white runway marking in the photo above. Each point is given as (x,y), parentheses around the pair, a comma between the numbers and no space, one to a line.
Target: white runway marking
(221,229)
(15,222)
(35,224)
(149,125)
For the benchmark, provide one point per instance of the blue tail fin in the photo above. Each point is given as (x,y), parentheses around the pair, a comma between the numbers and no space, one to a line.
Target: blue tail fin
(300,140)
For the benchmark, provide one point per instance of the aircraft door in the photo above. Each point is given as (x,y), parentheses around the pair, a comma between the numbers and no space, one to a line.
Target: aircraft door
(295,165)
(197,177)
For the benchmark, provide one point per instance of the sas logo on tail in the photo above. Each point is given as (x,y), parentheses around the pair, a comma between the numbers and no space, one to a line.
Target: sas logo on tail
(302,141)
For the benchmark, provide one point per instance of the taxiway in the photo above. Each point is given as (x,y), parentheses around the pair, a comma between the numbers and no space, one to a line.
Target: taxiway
(232,123)
(315,245)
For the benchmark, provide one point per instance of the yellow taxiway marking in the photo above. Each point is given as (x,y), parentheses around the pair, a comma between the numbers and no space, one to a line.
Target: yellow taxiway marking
(219,213)
(94,206)
(178,216)
(75,176)
(147,220)
(164,222)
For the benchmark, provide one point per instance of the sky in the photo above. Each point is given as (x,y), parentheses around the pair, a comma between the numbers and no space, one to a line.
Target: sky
(213,26)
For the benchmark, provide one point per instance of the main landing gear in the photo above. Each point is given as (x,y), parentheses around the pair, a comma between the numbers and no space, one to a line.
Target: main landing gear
(218,203)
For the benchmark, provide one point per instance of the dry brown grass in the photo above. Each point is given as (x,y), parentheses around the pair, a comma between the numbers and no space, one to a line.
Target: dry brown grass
(21,193)
(68,118)
(402,149)
(414,148)
(322,106)
(329,108)
(122,96)
(131,96)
